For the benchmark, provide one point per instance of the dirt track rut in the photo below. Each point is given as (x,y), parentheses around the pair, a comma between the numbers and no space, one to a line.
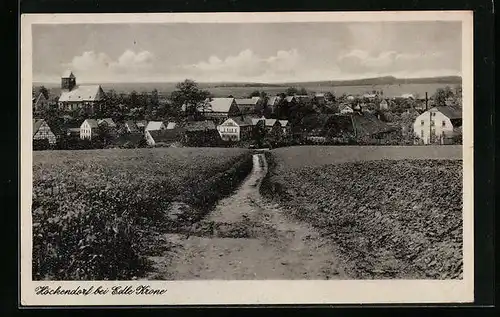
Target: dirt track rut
(246,237)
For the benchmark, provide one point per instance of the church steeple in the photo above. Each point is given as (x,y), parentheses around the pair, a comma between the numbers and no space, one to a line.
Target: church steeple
(68,81)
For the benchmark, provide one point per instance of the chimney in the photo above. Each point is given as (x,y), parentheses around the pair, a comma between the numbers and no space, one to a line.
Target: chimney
(426,102)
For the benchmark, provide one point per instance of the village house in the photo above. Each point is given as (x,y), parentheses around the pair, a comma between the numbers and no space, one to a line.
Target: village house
(74,97)
(236,128)
(201,133)
(273,102)
(345,109)
(350,98)
(217,108)
(107,121)
(141,125)
(42,131)
(40,102)
(89,129)
(171,125)
(131,127)
(164,137)
(247,105)
(384,105)
(438,125)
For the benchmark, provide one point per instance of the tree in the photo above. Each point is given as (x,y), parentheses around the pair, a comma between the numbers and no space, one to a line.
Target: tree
(45,92)
(254,93)
(189,94)
(259,132)
(302,91)
(442,94)
(291,91)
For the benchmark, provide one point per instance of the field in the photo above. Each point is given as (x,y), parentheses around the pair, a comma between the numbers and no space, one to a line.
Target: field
(390,90)
(390,218)
(96,212)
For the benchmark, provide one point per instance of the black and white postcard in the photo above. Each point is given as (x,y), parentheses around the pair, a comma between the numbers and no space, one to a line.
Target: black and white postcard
(250,158)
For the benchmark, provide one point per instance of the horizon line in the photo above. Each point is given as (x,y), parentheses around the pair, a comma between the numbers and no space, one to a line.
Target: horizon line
(248,82)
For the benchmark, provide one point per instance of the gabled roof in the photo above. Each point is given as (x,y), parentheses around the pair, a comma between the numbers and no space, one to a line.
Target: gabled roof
(272,100)
(132,126)
(200,126)
(108,121)
(283,123)
(141,123)
(171,135)
(155,125)
(246,101)
(37,123)
(220,104)
(256,98)
(450,112)
(289,98)
(41,97)
(82,93)
(243,121)
(92,123)
(131,138)
(344,106)
(171,125)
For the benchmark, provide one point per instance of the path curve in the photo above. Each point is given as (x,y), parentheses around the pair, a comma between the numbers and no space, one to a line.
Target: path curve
(249,238)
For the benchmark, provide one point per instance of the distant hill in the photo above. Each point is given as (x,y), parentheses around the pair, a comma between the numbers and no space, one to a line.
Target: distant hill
(388,80)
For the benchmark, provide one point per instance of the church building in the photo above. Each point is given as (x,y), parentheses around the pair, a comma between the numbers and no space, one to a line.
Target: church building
(74,97)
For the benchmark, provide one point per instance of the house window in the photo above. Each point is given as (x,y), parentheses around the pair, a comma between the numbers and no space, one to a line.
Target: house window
(421,122)
(421,133)
(432,123)
(443,124)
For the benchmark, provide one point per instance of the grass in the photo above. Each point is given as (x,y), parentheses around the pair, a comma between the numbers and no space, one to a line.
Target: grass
(96,211)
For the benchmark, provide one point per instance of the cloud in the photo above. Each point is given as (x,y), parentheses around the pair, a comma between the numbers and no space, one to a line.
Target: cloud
(247,65)
(91,65)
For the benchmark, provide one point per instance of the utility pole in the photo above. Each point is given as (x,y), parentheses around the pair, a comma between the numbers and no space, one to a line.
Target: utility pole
(430,116)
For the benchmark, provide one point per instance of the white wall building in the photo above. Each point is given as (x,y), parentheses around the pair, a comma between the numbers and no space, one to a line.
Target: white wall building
(437,124)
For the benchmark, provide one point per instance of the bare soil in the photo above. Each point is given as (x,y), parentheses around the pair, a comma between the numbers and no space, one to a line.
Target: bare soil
(245,237)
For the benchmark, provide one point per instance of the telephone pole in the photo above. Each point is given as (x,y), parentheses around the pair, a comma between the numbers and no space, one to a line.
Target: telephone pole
(430,116)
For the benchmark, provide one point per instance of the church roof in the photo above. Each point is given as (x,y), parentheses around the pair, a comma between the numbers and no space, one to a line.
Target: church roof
(82,93)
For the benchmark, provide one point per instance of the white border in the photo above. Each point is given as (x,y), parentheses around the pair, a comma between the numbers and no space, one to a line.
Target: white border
(254,292)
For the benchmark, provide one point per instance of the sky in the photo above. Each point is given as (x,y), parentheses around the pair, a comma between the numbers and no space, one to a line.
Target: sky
(252,52)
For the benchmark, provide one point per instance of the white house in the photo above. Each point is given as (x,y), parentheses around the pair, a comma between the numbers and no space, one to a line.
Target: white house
(344,109)
(383,105)
(437,124)
(236,128)
(88,129)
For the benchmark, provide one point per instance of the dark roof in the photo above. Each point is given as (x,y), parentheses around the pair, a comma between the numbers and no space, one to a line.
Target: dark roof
(132,126)
(368,124)
(450,111)
(170,135)
(129,138)
(200,126)
(242,121)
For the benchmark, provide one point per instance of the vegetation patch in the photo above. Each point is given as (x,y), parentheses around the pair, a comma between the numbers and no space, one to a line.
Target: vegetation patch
(96,213)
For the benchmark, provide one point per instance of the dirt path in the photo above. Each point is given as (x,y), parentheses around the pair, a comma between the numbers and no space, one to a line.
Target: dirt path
(247,238)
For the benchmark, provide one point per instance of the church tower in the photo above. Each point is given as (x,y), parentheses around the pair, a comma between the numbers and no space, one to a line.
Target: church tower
(68,81)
